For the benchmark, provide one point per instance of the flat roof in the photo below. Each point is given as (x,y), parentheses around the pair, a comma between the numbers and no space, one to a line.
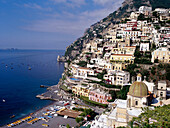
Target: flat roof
(84,68)
(70,113)
(122,54)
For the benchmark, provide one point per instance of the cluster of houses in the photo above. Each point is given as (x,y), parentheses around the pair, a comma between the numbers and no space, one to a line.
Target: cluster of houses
(111,54)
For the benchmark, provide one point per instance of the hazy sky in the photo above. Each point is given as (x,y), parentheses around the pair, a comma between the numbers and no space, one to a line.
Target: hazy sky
(49,24)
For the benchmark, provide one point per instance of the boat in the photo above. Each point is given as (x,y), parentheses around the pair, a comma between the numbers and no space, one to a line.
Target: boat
(29,68)
(44,86)
(12,116)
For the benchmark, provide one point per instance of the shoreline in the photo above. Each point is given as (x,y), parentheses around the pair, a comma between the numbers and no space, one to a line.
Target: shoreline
(34,112)
(40,109)
(54,121)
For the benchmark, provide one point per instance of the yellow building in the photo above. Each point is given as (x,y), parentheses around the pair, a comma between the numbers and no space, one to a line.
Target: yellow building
(162,54)
(123,58)
(119,66)
(80,90)
(124,50)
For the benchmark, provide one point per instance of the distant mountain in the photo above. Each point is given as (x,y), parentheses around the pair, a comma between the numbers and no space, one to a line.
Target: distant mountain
(124,11)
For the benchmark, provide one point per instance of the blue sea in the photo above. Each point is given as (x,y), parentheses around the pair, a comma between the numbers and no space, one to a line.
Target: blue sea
(19,86)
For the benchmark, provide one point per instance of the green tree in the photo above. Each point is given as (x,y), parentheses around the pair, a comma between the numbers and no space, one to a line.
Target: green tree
(137,54)
(141,17)
(82,63)
(157,118)
(113,94)
(153,47)
(156,61)
(155,14)
(79,119)
(153,70)
(68,126)
(122,94)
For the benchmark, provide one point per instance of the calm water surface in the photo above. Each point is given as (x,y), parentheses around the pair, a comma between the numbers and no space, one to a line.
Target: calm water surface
(19,86)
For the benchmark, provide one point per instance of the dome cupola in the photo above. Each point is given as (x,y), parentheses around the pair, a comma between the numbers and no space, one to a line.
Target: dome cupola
(138,88)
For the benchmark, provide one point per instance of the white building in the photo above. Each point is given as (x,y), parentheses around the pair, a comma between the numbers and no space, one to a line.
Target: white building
(161,10)
(144,47)
(150,85)
(101,63)
(116,77)
(144,9)
(134,15)
(82,72)
(132,34)
(162,88)
(119,116)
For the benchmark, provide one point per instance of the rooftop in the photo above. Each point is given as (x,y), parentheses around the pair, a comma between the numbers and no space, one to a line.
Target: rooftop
(121,103)
(134,112)
(122,54)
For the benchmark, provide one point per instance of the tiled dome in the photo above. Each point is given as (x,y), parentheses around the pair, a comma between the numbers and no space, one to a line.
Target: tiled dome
(138,89)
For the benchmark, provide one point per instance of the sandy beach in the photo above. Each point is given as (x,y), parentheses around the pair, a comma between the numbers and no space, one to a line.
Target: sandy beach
(51,120)
(47,116)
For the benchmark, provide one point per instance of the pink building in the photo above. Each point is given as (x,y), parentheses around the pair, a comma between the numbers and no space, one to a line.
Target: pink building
(99,96)
(132,24)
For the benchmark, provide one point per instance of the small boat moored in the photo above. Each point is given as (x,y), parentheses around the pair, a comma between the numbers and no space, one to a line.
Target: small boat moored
(12,116)
(29,68)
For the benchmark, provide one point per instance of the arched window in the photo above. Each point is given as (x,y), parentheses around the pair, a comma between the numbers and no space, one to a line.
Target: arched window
(136,102)
(161,94)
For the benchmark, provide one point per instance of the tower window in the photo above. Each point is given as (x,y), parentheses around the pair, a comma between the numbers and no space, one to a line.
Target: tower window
(161,94)
(136,102)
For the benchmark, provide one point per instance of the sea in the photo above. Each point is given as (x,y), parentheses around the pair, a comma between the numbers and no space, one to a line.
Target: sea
(21,74)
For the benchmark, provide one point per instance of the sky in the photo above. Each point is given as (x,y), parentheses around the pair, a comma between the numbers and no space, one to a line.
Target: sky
(49,24)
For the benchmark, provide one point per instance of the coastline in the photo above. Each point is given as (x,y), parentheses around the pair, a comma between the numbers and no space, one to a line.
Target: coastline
(44,96)
(38,110)
(54,121)
(22,103)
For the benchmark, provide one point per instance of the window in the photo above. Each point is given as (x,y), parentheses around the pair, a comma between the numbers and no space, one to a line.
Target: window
(136,102)
(138,78)
(161,94)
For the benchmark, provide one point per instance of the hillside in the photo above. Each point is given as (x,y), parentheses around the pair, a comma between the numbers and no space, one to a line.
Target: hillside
(128,6)
(151,118)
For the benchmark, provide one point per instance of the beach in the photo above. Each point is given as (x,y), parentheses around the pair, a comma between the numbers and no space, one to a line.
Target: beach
(50,116)
(51,120)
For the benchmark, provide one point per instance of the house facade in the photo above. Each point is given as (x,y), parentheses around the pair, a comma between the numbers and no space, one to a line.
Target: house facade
(162,54)
(99,96)
(116,77)
(124,58)
(80,90)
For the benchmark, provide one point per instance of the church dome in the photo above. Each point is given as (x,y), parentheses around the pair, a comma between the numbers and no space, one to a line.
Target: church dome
(138,89)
